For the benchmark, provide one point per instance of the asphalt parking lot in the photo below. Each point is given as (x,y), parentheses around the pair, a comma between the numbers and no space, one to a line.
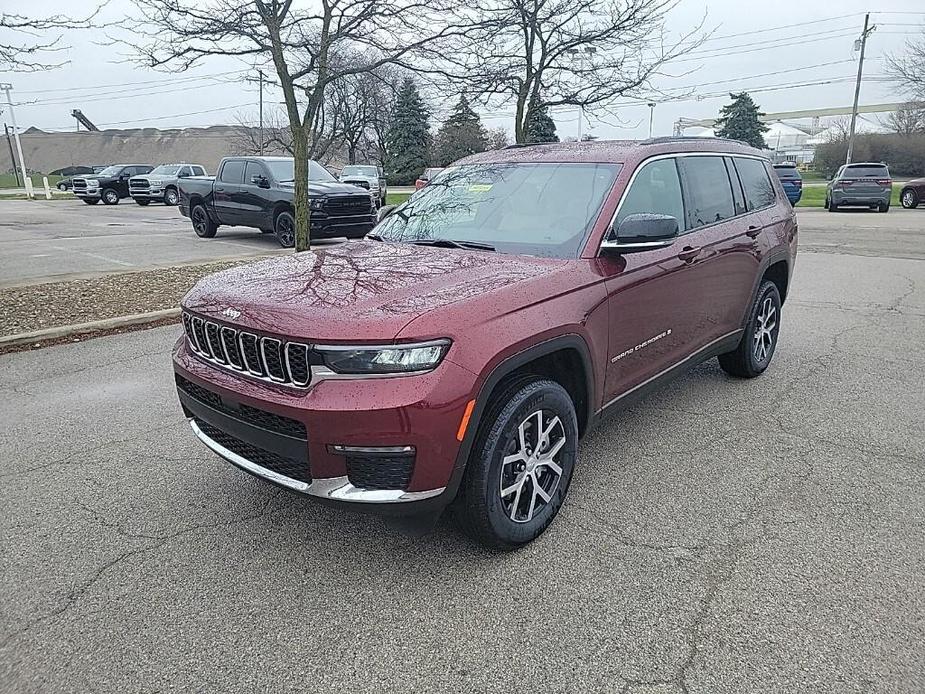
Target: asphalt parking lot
(45,241)
(722,536)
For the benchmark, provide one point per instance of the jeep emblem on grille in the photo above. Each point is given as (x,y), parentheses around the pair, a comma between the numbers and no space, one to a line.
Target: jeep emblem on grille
(231,313)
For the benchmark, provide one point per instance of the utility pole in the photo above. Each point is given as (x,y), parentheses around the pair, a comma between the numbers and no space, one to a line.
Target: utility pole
(9,143)
(857,85)
(651,117)
(22,164)
(261,111)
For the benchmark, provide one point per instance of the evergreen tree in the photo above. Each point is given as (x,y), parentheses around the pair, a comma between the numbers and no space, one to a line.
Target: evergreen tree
(407,140)
(461,135)
(540,127)
(739,121)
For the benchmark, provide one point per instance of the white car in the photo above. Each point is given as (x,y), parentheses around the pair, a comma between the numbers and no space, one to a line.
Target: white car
(366,176)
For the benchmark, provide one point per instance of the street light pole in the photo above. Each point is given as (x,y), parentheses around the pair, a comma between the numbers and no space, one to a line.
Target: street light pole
(651,117)
(857,88)
(261,111)
(22,164)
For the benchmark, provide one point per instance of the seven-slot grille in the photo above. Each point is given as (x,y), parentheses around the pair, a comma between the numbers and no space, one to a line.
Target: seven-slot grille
(267,358)
(348,205)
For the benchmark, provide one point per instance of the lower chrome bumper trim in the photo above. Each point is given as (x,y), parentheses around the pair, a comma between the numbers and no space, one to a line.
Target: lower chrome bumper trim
(337,488)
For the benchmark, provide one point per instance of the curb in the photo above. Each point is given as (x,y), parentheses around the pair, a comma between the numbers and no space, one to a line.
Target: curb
(64,331)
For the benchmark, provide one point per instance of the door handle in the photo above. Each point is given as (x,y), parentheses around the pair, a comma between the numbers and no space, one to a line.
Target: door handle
(753,231)
(688,254)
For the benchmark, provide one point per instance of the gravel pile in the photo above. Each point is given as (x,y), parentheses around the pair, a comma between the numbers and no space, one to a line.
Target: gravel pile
(24,309)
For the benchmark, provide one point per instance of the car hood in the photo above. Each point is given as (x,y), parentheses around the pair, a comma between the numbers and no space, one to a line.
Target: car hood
(363,291)
(319,188)
(148,177)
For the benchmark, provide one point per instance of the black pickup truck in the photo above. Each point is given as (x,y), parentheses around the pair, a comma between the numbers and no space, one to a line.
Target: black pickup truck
(258,191)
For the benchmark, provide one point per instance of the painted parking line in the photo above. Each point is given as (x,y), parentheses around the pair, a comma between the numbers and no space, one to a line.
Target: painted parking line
(95,256)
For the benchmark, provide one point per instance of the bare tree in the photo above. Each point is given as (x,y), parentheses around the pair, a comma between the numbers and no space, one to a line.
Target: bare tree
(908,69)
(277,138)
(545,53)
(908,120)
(303,44)
(30,44)
(359,105)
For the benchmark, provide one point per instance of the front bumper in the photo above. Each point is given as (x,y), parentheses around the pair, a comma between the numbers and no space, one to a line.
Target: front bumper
(422,411)
(147,194)
(94,193)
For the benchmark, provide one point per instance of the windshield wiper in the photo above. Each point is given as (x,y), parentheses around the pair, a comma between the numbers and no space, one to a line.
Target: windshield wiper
(450,243)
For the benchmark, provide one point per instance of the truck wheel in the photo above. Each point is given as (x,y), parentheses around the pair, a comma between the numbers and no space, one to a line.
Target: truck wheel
(91,201)
(171,197)
(521,464)
(143,203)
(110,197)
(203,225)
(285,229)
(753,354)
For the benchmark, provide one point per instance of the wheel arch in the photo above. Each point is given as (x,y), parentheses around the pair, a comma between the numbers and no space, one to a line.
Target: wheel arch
(278,208)
(540,359)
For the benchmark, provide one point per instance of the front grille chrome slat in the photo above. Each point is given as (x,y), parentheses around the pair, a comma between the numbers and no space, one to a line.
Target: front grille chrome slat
(266,358)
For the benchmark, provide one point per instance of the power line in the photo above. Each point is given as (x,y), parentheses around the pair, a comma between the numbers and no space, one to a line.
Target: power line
(168,80)
(753,50)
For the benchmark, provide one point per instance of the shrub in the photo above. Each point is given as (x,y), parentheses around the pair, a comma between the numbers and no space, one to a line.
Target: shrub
(904,154)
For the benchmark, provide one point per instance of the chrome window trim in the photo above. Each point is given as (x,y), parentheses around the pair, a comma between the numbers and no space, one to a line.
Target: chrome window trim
(338,488)
(678,155)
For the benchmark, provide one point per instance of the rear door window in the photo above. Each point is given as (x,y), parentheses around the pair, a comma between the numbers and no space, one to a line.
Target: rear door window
(656,189)
(707,191)
(759,191)
(232,172)
(198,171)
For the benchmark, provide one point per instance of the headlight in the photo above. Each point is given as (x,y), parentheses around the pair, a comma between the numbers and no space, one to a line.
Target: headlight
(316,203)
(93,184)
(385,359)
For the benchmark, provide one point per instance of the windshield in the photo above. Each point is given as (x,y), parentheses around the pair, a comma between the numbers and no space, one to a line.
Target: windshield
(111,171)
(282,170)
(360,171)
(533,209)
(166,170)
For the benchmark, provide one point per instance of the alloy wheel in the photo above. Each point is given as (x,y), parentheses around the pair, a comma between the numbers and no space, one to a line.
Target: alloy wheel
(530,473)
(765,330)
(170,197)
(285,231)
(908,199)
(199,220)
(111,197)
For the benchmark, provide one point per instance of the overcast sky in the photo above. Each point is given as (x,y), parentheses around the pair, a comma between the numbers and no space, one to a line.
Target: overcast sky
(744,48)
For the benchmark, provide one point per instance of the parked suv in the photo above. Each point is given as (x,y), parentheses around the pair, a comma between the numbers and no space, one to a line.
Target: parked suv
(110,185)
(367,176)
(162,184)
(791,180)
(865,185)
(462,349)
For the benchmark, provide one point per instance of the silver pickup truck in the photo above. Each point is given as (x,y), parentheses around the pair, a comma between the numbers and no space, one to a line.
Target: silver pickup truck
(162,184)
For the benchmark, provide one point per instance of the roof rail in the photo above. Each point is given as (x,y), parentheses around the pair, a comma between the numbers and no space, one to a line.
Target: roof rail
(690,138)
(518,145)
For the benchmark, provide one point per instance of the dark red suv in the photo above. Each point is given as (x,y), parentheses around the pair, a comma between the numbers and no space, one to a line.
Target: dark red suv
(460,352)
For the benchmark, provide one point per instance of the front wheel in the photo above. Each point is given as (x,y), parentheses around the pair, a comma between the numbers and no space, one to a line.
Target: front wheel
(171,197)
(285,229)
(521,464)
(62,186)
(204,227)
(110,197)
(753,354)
(908,199)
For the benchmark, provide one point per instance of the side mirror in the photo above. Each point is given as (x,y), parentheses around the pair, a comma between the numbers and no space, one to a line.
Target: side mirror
(642,232)
(384,212)
(260,181)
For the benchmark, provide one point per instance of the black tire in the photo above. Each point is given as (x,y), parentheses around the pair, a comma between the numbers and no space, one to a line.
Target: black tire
(908,199)
(883,207)
(143,203)
(483,512)
(110,196)
(284,227)
(750,358)
(203,225)
(61,186)
(171,197)
(831,207)
(91,201)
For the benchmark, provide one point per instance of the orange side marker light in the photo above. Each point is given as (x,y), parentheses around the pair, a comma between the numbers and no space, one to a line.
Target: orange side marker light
(464,424)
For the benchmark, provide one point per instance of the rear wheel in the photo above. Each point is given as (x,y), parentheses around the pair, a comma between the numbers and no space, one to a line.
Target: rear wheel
(883,207)
(831,206)
(171,197)
(285,229)
(521,464)
(204,227)
(143,203)
(908,199)
(110,197)
(91,201)
(756,348)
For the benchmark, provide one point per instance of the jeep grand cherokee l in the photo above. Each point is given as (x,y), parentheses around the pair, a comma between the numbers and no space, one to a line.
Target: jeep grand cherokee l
(460,351)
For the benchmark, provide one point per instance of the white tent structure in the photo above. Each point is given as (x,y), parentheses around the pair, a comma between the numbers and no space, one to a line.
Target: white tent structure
(862,125)
(783,137)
